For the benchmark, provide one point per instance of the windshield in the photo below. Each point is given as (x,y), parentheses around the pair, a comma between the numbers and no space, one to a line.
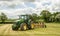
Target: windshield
(23,17)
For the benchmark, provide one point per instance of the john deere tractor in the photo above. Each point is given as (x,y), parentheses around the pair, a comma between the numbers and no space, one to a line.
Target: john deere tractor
(23,23)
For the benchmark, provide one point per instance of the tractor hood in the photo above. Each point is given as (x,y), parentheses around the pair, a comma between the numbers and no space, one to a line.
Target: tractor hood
(19,21)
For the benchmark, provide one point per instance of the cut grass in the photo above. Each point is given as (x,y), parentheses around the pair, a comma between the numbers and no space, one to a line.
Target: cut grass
(1,24)
(53,29)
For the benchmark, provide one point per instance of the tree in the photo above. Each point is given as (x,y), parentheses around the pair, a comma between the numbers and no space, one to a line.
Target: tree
(34,17)
(46,15)
(3,17)
(56,13)
(52,18)
(57,18)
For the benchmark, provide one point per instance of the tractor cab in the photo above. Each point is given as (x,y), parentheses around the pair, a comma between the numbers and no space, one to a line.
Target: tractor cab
(23,17)
(26,18)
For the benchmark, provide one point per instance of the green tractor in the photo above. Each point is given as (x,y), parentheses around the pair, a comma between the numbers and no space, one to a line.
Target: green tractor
(23,23)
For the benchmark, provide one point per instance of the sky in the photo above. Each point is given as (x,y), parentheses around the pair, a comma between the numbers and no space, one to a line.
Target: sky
(13,8)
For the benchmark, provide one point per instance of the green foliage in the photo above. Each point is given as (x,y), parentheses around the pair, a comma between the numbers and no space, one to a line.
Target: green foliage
(33,17)
(46,15)
(57,18)
(3,17)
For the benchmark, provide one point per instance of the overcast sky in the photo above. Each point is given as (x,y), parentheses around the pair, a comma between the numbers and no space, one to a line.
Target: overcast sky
(12,8)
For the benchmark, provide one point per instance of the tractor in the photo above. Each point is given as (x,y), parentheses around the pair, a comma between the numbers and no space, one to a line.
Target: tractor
(23,23)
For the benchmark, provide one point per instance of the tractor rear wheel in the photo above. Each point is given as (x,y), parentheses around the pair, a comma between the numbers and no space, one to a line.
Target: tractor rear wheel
(31,26)
(23,26)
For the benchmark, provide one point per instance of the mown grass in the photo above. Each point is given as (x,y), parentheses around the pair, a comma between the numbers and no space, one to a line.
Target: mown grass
(53,29)
(1,24)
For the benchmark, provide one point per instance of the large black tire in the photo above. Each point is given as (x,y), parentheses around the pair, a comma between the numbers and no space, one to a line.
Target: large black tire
(14,27)
(23,27)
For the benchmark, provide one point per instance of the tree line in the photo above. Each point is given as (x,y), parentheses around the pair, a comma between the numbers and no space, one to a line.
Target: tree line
(48,17)
(3,17)
(45,16)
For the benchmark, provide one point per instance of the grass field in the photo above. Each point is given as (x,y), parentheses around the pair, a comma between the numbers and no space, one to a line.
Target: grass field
(53,29)
(1,24)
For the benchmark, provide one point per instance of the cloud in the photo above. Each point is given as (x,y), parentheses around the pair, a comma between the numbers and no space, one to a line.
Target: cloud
(14,13)
(18,7)
(20,0)
(6,0)
(28,0)
(11,5)
(30,4)
(51,5)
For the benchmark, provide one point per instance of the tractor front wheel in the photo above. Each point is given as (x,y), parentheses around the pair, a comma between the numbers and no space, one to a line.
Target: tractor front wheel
(14,27)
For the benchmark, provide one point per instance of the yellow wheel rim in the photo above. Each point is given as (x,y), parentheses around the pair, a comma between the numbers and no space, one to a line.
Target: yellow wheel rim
(25,27)
(32,26)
